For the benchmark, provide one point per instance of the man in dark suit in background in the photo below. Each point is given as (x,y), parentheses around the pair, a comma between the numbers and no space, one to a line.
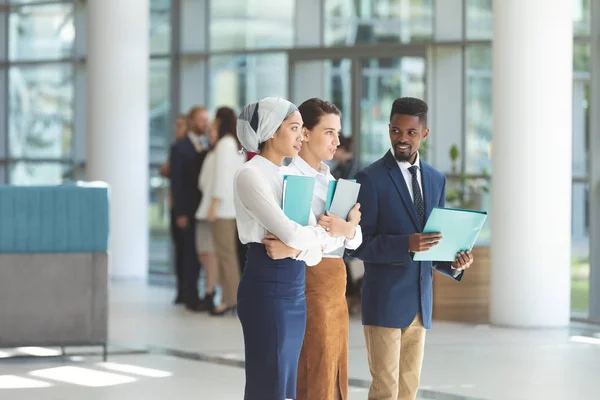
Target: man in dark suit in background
(185,162)
(397,195)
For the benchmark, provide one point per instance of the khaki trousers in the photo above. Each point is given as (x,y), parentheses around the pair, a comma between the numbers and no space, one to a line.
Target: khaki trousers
(224,238)
(395,360)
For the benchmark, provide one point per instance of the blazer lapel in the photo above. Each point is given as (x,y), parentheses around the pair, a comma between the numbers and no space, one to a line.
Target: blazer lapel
(400,184)
(427,183)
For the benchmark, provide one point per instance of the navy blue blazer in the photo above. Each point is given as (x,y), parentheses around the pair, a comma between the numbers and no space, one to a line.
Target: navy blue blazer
(396,288)
(185,164)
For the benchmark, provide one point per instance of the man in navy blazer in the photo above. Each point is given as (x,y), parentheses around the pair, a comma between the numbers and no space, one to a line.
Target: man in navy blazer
(185,162)
(397,195)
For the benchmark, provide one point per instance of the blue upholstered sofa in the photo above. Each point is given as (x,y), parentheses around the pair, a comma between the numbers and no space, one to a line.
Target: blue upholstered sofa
(53,265)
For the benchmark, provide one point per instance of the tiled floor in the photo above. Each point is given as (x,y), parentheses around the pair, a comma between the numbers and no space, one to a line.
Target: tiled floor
(189,356)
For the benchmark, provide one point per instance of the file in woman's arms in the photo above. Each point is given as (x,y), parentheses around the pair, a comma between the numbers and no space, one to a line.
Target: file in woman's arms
(459,229)
(297,198)
(344,198)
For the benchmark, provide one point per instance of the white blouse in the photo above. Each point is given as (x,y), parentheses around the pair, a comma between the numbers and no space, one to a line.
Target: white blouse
(257,199)
(322,178)
(216,178)
(206,185)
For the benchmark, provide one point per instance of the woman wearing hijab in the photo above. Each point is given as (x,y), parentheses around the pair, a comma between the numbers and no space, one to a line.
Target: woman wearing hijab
(271,301)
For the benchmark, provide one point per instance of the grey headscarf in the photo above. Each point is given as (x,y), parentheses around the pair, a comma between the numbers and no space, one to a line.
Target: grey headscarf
(259,121)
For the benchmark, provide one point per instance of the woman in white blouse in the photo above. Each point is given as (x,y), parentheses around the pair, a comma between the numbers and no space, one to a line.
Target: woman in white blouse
(221,211)
(271,301)
(323,365)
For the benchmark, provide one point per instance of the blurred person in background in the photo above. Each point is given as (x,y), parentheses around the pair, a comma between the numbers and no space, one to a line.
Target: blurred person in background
(185,163)
(225,161)
(344,165)
(181,129)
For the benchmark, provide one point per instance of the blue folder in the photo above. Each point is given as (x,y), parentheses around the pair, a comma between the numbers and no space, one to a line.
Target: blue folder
(297,198)
(331,192)
(459,228)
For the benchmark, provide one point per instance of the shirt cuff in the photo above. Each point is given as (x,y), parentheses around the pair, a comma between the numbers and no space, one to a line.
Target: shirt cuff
(356,241)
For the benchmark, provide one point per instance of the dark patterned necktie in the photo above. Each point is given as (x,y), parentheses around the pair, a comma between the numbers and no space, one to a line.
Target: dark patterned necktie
(417,196)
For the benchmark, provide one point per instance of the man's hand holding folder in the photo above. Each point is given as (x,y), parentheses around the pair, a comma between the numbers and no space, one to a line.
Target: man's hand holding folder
(460,228)
(421,242)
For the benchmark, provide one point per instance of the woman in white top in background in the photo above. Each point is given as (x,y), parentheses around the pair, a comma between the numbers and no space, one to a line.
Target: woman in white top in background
(323,366)
(226,161)
(204,237)
(271,301)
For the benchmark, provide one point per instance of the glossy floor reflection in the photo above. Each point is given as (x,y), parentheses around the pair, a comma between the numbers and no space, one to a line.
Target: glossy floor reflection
(160,350)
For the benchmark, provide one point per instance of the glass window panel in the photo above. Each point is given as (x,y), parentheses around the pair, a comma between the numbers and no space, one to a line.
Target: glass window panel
(327,79)
(581,59)
(384,80)
(238,80)
(339,91)
(580,250)
(3,112)
(24,1)
(160,26)
(41,32)
(160,128)
(251,24)
(159,218)
(581,17)
(581,128)
(478,110)
(40,114)
(348,22)
(39,173)
(479,19)
(471,192)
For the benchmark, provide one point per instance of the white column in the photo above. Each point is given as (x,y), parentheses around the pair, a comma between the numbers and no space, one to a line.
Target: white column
(445,75)
(532,163)
(594,199)
(117,142)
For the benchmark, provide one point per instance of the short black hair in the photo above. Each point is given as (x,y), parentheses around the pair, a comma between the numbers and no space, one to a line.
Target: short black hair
(410,106)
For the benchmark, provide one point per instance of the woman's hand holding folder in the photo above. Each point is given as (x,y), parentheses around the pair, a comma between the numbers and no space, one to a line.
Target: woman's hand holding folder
(336,226)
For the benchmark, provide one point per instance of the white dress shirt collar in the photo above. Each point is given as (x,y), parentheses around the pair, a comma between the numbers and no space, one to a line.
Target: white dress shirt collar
(308,170)
(405,165)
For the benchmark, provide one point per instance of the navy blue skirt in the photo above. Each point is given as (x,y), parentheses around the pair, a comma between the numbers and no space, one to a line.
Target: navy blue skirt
(272,310)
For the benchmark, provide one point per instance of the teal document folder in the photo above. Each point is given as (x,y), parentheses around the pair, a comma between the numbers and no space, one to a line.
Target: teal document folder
(331,192)
(459,229)
(297,198)
(344,197)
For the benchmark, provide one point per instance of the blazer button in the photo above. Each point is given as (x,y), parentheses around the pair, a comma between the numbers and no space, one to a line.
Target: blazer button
(422,278)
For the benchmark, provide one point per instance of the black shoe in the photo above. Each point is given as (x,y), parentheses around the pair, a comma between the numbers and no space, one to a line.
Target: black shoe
(178,300)
(205,304)
(227,311)
(209,299)
(197,307)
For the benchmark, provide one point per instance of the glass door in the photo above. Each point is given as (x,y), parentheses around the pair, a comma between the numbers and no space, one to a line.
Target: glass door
(363,86)
(327,79)
(382,80)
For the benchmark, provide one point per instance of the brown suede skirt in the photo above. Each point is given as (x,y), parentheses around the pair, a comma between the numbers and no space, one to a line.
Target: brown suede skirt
(323,365)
